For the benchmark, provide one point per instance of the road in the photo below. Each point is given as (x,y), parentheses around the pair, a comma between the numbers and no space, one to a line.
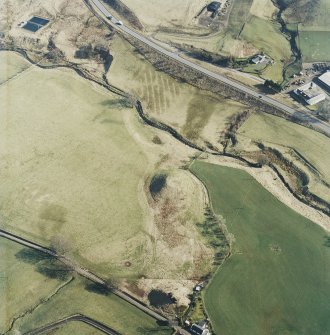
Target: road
(77,317)
(236,85)
(83,272)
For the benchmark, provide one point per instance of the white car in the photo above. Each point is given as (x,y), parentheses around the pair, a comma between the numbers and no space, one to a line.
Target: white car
(120,23)
(109,17)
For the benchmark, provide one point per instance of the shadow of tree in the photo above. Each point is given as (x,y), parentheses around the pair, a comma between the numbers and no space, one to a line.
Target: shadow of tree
(98,289)
(327,241)
(46,265)
(31,256)
(117,103)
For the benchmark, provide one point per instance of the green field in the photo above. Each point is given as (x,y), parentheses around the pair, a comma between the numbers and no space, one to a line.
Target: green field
(76,328)
(82,297)
(277,280)
(313,22)
(267,37)
(37,290)
(16,297)
(312,15)
(315,45)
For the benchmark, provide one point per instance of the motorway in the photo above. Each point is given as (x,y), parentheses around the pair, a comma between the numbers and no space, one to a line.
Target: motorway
(323,127)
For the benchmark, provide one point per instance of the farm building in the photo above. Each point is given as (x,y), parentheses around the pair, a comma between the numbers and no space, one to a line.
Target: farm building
(213,6)
(259,59)
(310,93)
(200,328)
(324,80)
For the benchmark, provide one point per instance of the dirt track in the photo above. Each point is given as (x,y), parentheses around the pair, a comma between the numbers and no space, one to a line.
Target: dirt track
(77,317)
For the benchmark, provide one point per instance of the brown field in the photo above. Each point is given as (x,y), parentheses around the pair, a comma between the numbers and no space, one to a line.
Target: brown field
(11,65)
(169,14)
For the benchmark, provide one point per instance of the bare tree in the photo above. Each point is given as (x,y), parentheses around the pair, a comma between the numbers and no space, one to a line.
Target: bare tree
(61,245)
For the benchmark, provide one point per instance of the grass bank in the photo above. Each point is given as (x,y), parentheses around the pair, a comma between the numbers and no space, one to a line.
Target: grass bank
(274,131)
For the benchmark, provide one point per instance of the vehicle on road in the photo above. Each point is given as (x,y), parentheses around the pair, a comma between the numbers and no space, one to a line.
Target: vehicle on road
(120,23)
(109,17)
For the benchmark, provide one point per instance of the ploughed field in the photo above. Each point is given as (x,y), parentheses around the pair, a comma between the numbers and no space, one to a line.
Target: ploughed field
(200,116)
(277,279)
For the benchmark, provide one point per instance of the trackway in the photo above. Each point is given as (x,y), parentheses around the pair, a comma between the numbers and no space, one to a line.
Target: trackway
(77,317)
(83,272)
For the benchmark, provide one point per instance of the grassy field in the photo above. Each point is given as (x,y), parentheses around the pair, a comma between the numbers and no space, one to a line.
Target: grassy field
(81,297)
(314,28)
(75,162)
(314,45)
(310,14)
(15,297)
(277,280)
(310,144)
(266,36)
(61,159)
(197,114)
(49,294)
(76,328)
(10,65)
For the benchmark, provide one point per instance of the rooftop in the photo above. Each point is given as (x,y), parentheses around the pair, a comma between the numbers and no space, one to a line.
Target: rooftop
(258,59)
(311,93)
(325,78)
(200,328)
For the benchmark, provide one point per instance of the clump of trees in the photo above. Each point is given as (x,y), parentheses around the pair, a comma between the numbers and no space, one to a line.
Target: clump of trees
(324,110)
(215,231)
(100,52)
(60,245)
(270,84)
(158,182)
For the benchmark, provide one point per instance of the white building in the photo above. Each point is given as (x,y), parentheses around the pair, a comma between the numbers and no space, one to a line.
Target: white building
(259,59)
(310,93)
(324,79)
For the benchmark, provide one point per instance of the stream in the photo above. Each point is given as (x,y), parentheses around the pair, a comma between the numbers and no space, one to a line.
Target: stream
(292,35)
